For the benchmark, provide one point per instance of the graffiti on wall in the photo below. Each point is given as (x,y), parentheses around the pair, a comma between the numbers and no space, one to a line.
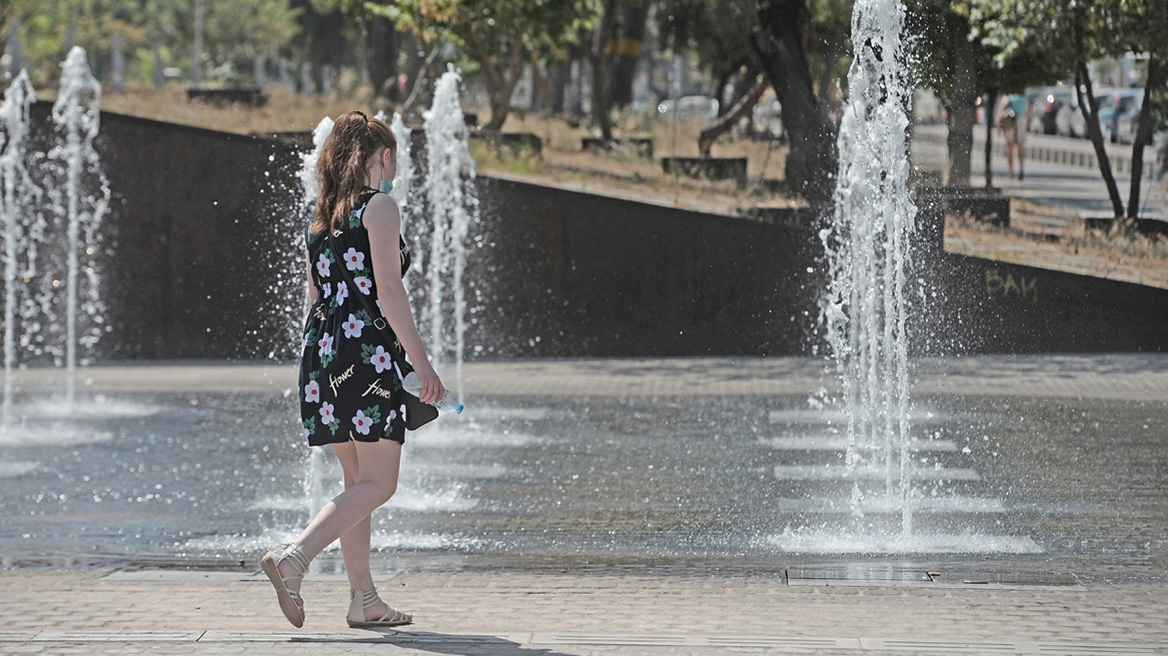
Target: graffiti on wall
(1008,286)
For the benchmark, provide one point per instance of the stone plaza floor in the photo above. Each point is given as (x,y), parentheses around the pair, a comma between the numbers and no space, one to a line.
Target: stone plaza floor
(541,598)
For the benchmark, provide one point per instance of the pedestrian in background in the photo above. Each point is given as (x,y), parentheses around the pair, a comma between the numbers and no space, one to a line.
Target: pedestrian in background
(1013,117)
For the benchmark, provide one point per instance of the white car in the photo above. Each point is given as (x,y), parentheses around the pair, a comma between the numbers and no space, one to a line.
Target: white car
(689,108)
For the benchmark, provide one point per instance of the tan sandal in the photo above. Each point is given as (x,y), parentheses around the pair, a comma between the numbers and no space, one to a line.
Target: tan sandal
(290,601)
(362,600)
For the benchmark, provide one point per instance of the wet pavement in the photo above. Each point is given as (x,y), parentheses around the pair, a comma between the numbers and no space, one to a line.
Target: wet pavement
(1024,467)
(665,506)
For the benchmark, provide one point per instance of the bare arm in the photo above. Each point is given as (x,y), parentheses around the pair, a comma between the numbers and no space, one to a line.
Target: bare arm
(311,287)
(383,221)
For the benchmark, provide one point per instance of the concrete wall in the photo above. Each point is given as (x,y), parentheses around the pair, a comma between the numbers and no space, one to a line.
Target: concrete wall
(201,260)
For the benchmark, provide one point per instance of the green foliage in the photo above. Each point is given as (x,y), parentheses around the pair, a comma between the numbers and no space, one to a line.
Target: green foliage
(939,24)
(235,31)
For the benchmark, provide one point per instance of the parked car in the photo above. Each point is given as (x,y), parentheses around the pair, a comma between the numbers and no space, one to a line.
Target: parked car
(701,108)
(1051,102)
(1105,101)
(767,118)
(1123,102)
(1129,123)
(1036,98)
(1064,115)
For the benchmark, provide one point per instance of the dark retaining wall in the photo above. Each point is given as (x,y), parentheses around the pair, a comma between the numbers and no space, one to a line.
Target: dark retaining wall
(195,266)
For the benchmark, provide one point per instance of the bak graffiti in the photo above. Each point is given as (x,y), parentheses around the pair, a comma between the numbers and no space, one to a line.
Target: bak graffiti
(999,286)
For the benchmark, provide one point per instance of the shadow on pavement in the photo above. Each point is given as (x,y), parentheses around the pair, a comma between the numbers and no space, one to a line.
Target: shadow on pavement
(447,643)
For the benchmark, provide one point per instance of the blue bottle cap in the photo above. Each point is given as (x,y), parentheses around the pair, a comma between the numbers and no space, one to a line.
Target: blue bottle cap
(458,410)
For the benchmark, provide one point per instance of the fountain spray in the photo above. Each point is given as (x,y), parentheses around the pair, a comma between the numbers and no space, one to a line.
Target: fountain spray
(453,206)
(868,255)
(77,114)
(17,189)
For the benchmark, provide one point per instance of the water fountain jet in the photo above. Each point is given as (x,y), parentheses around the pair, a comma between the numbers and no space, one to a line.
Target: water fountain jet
(18,190)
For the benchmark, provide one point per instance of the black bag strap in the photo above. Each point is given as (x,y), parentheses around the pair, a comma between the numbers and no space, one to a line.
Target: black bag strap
(379,322)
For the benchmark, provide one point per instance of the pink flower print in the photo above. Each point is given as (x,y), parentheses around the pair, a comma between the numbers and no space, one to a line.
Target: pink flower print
(312,392)
(328,289)
(353,327)
(322,266)
(380,360)
(325,344)
(362,422)
(354,260)
(364,285)
(342,292)
(326,412)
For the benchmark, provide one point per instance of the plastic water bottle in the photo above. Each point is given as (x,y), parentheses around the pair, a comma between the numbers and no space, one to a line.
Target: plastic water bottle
(413,385)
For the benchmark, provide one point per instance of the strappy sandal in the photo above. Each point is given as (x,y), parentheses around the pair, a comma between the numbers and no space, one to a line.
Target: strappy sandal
(361,600)
(290,601)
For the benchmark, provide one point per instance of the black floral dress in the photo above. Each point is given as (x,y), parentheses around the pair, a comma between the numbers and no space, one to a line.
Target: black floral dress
(350,387)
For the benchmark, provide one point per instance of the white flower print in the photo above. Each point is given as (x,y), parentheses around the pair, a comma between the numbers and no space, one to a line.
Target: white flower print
(328,289)
(342,292)
(322,266)
(325,344)
(403,409)
(304,343)
(326,412)
(392,415)
(353,327)
(398,372)
(307,432)
(312,392)
(354,260)
(364,285)
(362,422)
(380,360)
(379,308)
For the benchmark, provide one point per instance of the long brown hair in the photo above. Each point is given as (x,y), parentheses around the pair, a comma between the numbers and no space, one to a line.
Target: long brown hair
(341,167)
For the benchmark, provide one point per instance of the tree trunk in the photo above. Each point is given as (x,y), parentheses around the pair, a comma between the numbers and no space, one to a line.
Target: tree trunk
(1090,110)
(961,115)
(197,49)
(559,78)
(500,85)
(159,66)
(733,115)
(382,45)
(600,39)
(1156,74)
(723,79)
(626,53)
(992,102)
(778,42)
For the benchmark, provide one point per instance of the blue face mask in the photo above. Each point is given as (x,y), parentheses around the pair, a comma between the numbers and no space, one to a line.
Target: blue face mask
(386,186)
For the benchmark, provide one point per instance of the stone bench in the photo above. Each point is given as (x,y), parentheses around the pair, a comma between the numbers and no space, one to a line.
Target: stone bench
(708,168)
(221,97)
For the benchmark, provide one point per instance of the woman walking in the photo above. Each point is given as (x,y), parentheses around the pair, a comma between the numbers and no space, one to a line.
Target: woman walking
(351,394)
(1013,119)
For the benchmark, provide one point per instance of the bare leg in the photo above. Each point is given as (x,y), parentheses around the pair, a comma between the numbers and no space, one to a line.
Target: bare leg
(1021,169)
(355,541)
(1010,157)
(378,462)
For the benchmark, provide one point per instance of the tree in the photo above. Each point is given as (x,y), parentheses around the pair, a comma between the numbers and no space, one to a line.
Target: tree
(499,35)
(1071,31)
(1144,25)
(961,68)
(777,39)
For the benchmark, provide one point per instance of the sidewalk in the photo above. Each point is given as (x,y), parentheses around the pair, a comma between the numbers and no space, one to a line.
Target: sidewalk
(215,612)
(1060,171)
